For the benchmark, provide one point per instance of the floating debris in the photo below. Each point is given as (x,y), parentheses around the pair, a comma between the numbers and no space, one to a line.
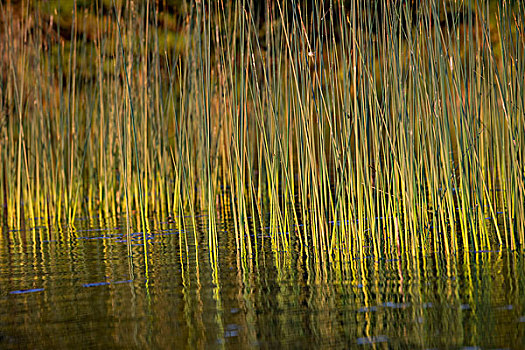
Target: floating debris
(25,291)
(372,340)
(96,284)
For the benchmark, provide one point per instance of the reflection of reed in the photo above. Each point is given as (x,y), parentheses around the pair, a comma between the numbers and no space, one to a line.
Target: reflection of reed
(273,299)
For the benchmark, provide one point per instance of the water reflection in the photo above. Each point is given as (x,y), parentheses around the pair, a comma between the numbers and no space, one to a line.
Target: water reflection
(80,288)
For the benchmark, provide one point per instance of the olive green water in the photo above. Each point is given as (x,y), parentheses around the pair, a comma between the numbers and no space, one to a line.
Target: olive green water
(78,289)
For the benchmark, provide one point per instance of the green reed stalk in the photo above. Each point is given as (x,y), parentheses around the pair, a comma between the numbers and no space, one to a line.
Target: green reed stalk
(140,193)
(387,128)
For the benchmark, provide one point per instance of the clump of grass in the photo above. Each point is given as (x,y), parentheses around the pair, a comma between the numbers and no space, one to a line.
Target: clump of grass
(339,127)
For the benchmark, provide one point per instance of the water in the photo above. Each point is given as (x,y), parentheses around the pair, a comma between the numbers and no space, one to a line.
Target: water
(79,289)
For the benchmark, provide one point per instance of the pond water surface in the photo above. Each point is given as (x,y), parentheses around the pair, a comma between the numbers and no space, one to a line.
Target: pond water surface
(78,288)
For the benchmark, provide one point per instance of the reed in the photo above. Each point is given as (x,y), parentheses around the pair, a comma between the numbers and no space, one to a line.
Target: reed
(342,128)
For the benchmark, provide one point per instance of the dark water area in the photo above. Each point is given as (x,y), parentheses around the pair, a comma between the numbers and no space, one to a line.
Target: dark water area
(78,288)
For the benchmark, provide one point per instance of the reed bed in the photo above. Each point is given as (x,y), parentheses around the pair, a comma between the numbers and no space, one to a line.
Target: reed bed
(341,128)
